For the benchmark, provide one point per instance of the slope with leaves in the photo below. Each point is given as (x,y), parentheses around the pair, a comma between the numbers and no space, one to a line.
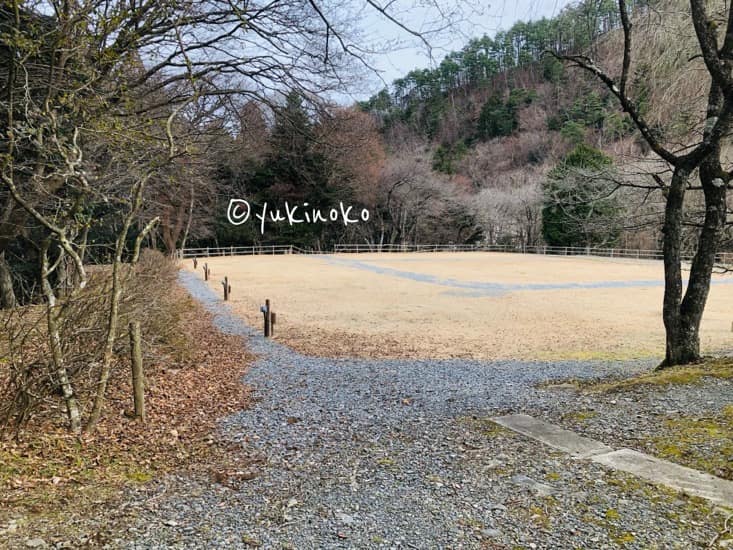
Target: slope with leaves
(49,479)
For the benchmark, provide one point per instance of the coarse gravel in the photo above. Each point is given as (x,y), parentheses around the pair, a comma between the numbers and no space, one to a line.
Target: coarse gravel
(362,453)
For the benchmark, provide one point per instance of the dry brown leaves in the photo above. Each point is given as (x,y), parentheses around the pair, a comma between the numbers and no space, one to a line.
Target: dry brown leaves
(317,342)
(184,401)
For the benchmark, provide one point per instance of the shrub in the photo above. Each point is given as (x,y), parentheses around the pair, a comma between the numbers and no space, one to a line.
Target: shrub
(27,381)
(573,132)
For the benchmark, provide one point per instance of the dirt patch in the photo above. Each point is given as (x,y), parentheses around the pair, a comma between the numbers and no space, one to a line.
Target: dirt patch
(468,305)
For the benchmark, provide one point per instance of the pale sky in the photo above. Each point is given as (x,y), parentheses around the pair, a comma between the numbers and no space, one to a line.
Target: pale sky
(412,54)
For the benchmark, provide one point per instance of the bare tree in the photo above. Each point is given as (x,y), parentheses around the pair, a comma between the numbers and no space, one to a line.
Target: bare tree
(415,204)
(510,209)
(683,309)
(103,100)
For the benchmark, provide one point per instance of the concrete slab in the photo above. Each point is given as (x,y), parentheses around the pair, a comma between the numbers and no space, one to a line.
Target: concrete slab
(649,468)
(554,436)
(672,475)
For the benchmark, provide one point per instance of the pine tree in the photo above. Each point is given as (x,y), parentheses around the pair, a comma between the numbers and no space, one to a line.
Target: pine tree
(578,210)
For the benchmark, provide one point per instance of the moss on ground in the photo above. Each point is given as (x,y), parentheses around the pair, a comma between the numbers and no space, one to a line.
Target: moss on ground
(702,443)
(682,511)
(721,368)
(387,462)
(485,426)
(579,417)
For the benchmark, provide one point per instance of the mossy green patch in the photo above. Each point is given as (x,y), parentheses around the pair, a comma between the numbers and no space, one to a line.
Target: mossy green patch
(579,416)
(251,541)
(485,426)
(387,462)
(691,374)
(681,509)
(139,476)
(701,443)
(539,516)
(609,521)
(623,538)
(540,512)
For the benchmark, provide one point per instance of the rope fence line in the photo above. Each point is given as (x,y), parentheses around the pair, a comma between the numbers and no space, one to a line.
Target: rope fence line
(725,258)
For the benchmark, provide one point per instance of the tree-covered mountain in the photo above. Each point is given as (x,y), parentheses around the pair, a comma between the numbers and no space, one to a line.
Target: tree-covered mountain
(424,97)
(499,117)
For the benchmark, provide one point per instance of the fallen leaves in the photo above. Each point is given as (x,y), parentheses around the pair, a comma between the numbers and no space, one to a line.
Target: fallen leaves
(184,401)
(230,478)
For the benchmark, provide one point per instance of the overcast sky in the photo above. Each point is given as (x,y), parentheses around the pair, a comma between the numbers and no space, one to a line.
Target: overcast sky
(411,54)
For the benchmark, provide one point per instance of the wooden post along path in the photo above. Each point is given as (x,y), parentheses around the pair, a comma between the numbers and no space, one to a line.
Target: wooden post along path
(138,380)
(270,318)
(227,288)
(206,272)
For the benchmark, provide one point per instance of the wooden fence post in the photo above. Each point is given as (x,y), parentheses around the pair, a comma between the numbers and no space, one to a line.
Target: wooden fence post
(195,263)
(227,288)
(268,318)
(206,272)
(138,381)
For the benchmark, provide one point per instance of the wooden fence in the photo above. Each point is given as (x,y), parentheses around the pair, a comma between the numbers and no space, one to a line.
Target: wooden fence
(208,252)
(722,257)
(725,258)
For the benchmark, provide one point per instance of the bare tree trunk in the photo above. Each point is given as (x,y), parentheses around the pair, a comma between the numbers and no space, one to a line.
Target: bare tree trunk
(683,341)
(188,221)
(682,313)
(7,294)
(54,337)
(112,323)
(115,297)
(681,345)
(65,277)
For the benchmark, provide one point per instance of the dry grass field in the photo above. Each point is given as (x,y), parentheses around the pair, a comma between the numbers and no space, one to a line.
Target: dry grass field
(468,305)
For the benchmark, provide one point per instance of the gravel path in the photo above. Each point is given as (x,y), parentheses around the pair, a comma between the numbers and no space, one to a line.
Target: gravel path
(483,288)
(400,454)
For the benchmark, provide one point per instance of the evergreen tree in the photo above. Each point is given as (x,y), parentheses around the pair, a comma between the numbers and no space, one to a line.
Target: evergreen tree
(295,172)
(446,156)
(497,119)
(572,30)
(579,208)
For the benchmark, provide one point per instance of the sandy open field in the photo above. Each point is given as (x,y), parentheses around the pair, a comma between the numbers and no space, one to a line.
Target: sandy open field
(468,305)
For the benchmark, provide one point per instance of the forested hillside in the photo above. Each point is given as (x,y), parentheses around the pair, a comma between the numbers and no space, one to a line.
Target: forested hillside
(140,409)
(539,150)
(501,142)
